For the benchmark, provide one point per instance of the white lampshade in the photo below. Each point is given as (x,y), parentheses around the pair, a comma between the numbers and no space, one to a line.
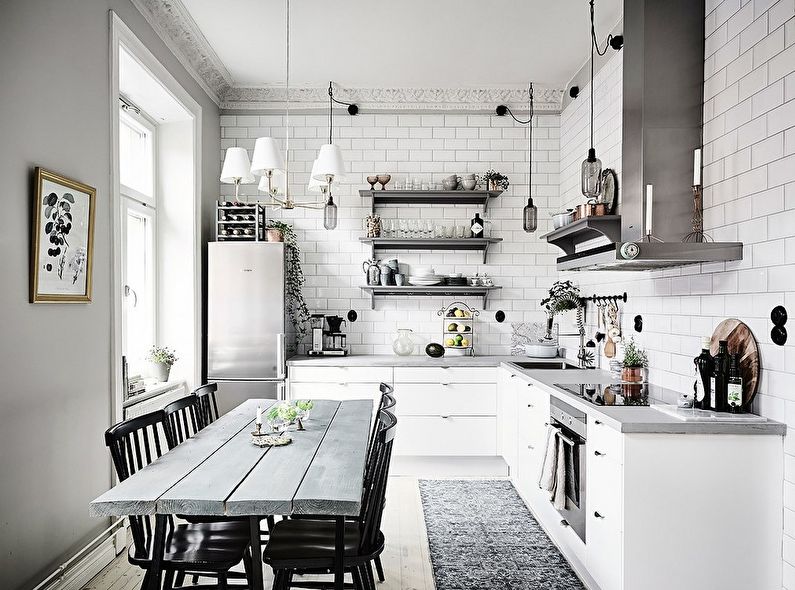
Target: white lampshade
(329,161)
(237,167)
(277,182)
(267,156)
(315,184)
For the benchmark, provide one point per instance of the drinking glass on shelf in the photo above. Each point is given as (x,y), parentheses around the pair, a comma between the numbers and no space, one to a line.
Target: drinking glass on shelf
(439,231)
(460,231)
(428,228)
(449,230)
(412,228)
(403,228)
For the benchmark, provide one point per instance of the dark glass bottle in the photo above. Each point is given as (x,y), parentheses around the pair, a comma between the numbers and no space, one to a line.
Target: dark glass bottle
(477,226)
(704,365)
(720,377)
(734,386)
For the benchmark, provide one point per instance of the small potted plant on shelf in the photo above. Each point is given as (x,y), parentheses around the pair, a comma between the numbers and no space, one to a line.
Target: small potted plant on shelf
(635,363)
(161,358)
(494,180)
(275,230)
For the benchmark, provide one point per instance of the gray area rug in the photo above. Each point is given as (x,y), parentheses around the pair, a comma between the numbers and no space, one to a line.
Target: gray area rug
(482,536)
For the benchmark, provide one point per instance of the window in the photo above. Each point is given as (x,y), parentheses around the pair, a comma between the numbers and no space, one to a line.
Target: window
(139,243)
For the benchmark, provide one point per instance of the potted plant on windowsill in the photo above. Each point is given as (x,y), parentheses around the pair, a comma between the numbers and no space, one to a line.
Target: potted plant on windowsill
(635,363)
(161,359)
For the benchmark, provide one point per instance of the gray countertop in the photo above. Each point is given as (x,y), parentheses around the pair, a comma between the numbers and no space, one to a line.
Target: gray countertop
(625,419)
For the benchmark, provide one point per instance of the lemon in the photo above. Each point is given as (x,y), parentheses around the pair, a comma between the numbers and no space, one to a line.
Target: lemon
(459,313)
(465,342)
(450,342)
(452,327)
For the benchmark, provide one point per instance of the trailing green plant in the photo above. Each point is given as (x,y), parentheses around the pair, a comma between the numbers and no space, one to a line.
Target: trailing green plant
(294,280)
(284,411)
(497,178)
(634,355)
(304,405)
(563,296)
(162,354)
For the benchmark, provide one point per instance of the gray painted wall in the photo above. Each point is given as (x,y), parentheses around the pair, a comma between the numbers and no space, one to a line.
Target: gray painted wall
(55,359)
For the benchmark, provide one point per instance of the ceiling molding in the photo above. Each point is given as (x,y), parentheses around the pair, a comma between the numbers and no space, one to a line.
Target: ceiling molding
(176,27)
(547,100)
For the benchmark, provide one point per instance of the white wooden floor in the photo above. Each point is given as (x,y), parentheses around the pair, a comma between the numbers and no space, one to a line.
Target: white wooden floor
(406,560)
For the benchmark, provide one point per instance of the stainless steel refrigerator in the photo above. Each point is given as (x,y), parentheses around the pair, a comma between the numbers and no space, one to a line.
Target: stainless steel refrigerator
(245,321)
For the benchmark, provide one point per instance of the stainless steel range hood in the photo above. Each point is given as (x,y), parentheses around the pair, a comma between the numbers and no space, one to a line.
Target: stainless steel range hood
(650,255)
(663,78)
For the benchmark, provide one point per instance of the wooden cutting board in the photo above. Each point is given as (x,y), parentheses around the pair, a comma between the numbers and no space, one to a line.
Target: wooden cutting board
(741,341)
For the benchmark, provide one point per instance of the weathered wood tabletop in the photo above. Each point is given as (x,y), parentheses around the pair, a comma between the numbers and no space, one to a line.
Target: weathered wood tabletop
(220,472)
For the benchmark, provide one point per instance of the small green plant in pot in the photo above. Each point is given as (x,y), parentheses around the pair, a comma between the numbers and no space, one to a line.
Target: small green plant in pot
(635,362)
(494,180)
(161,358)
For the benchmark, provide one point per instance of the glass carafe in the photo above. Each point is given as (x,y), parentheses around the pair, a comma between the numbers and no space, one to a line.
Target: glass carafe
(403,345)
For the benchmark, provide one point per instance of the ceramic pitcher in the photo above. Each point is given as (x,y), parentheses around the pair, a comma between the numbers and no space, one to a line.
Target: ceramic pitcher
(372,272)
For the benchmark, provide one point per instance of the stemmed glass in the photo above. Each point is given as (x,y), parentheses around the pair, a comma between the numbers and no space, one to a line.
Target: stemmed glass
(428,228)
(412,228)
(403,228)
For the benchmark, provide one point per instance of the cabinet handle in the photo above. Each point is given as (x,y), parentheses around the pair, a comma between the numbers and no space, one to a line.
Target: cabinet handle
(597,515)
(531,447)
(513,375)
(530,406)
(597,422)
(445,384)
(445,417)
(564,522)
(343,383)
(598,454)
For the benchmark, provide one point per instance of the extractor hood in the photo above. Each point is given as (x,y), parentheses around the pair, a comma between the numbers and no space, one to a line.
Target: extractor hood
(663,78)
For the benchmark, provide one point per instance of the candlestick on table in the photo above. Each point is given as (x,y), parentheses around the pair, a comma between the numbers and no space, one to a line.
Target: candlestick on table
(649,201)
(259,415)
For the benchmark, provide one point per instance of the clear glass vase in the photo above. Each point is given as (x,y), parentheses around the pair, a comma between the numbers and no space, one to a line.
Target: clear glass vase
(403,345)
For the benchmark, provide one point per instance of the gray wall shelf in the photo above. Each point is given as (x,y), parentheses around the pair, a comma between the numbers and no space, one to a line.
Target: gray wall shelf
(567,237)
(480,244)
(435,291)
(396,197)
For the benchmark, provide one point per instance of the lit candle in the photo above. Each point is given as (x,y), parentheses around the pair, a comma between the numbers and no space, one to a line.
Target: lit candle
(648,208)
(259,415)
(697,167)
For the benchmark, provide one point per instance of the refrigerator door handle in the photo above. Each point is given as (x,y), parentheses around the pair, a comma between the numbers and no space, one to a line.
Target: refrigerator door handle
(280,356)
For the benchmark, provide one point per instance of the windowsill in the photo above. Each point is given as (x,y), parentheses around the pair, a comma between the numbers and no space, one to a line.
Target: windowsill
(154,390)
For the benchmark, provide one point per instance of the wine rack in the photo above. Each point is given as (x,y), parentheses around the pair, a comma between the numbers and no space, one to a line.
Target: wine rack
(239,222)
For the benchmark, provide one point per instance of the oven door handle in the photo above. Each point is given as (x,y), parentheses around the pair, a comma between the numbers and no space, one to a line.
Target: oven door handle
(572,443)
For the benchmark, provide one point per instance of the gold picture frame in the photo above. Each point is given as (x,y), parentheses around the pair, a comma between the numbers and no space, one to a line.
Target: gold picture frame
(62,239)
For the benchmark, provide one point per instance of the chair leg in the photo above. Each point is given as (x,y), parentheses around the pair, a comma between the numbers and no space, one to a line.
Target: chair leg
(195,580)
(356,574)
(277,579)
(370,578)
(271,523)
(168,580)
(222,581)
(379,568)
(248,567)
(180,581)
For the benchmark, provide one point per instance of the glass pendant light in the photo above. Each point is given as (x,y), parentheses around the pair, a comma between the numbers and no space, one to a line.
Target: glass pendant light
(592,166)
(330,214)
(530,214)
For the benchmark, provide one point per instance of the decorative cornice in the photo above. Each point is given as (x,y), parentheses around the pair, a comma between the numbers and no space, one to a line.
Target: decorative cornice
(391,99)
(174,24)
(176,27)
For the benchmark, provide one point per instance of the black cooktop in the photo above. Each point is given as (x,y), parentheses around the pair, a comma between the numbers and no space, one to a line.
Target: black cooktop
(616,394)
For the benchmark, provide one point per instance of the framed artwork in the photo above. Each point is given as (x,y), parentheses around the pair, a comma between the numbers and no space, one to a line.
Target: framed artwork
(63,239)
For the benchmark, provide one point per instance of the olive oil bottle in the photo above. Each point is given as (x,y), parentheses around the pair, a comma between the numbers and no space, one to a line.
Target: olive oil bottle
(704,365)
(720,378)
(734,386)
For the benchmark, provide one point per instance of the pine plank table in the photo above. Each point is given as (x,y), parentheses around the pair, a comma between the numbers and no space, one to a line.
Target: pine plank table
(219,472)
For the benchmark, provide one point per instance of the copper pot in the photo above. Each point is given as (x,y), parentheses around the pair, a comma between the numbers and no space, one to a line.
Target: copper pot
(632,374)
(590,210)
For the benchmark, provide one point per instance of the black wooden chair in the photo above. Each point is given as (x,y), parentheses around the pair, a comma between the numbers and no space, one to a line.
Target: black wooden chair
(208,405)
(182,419)
(308,546)
(207,549)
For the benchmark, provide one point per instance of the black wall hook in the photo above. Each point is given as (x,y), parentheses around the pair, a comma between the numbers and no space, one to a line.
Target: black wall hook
(639,323)
(499,316)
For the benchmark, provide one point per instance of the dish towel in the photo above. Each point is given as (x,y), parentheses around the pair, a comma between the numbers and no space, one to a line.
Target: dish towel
(553,471)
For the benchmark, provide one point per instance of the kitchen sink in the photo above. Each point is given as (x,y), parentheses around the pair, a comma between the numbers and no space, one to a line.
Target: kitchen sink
(550,364)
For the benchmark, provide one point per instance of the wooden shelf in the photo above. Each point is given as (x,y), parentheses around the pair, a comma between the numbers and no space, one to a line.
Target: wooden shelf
(479,244)
(567,237)
(434,291)
(396,197)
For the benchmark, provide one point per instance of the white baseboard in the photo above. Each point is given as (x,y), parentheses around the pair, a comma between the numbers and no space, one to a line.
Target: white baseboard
(84,570)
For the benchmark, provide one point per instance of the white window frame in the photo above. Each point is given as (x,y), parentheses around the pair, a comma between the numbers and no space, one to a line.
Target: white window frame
(141,120)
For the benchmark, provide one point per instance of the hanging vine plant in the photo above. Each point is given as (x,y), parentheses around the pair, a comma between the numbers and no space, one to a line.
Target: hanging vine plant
(293,279)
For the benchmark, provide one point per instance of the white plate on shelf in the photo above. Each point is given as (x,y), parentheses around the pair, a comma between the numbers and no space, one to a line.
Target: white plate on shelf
(424,282)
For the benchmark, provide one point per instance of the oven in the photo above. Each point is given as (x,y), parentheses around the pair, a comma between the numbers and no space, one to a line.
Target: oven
(571,425)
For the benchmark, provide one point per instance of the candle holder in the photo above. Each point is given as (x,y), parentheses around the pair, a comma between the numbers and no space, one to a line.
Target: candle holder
(697,235)
(263,439)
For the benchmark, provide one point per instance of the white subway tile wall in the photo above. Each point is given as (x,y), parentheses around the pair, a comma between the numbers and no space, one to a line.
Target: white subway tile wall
(749,195)
(426,147)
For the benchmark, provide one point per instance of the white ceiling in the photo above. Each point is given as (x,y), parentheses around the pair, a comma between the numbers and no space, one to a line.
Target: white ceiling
(403,43)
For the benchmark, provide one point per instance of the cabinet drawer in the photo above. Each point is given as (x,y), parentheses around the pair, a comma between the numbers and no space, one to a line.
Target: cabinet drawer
(334,391)
(456,435)
(455,399)
(340,374)
(445,375)
(604,557)
(606,441)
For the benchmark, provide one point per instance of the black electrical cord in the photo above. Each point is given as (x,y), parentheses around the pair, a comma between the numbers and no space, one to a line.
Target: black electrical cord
(506,110)
(609,42)
(353,109)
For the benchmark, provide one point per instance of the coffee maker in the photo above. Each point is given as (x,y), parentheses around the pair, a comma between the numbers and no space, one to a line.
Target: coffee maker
(328,339)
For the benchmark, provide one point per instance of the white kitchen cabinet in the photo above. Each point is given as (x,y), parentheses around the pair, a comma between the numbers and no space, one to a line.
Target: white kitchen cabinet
(532,421)
(445,375)
(339,374)
(506,417)
(422,399)
(446,436)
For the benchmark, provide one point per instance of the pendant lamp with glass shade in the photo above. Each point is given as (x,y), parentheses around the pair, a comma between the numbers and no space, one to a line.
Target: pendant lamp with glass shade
(236,169)
(592,166)
(530,213)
